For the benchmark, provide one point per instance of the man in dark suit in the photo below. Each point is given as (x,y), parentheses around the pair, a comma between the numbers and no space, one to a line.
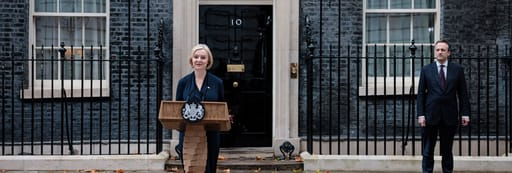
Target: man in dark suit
(442,98)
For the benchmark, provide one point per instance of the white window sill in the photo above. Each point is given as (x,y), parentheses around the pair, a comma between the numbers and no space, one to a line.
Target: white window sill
(388,88)
(386,91)
(38,93)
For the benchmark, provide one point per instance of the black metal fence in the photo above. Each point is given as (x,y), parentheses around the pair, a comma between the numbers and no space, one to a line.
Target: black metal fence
(361,100)
(356,104)
(75,100)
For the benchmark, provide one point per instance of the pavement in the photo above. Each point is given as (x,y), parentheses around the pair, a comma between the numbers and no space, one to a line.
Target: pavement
(263,160)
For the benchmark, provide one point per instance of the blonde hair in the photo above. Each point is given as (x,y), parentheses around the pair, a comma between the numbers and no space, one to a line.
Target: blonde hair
(208,51)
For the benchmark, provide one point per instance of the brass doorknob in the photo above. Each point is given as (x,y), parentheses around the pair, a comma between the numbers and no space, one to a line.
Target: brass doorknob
(235,84)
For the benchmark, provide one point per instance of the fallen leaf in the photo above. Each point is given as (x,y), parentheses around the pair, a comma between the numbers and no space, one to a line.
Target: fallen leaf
(297,170)
(259,158)
(92,171)
(120,171)
(257,170)
(298,159)
(174,169)
(227,170)
(222,157)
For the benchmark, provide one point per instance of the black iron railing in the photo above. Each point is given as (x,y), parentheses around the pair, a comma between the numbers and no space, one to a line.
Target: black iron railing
(362,103)
(80,100)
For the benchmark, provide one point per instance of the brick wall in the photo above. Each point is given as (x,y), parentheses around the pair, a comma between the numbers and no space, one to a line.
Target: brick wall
(14,33)
(14,24)
(126,45)
(476,22)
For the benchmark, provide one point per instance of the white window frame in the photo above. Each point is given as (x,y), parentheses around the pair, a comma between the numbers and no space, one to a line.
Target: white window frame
(386,85)
(38,89)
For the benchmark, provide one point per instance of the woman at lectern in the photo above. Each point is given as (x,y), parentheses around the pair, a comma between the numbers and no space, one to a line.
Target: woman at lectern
(200,85)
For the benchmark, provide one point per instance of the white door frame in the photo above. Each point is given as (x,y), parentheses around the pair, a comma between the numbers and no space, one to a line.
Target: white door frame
(285,52)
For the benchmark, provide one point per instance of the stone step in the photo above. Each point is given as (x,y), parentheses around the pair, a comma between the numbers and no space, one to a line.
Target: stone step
(247,159)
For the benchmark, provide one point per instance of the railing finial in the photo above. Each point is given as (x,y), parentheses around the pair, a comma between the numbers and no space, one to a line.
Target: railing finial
(413,48)
(62,50)
(159,46)
(310,44)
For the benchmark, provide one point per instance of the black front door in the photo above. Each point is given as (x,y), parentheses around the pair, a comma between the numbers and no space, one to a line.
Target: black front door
(240,38)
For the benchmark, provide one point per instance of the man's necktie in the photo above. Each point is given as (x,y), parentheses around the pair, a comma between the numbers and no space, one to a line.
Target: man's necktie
(443,79)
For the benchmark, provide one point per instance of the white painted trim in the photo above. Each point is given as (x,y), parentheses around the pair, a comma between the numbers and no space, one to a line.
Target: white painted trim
(38,93)
(285,90)
(401,10)
(43,88)
(185,36)
(437,24)
(408,82)
(403,86)
(71,14)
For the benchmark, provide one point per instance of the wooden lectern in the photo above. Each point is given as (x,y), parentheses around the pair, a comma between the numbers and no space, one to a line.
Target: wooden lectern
(194,143)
